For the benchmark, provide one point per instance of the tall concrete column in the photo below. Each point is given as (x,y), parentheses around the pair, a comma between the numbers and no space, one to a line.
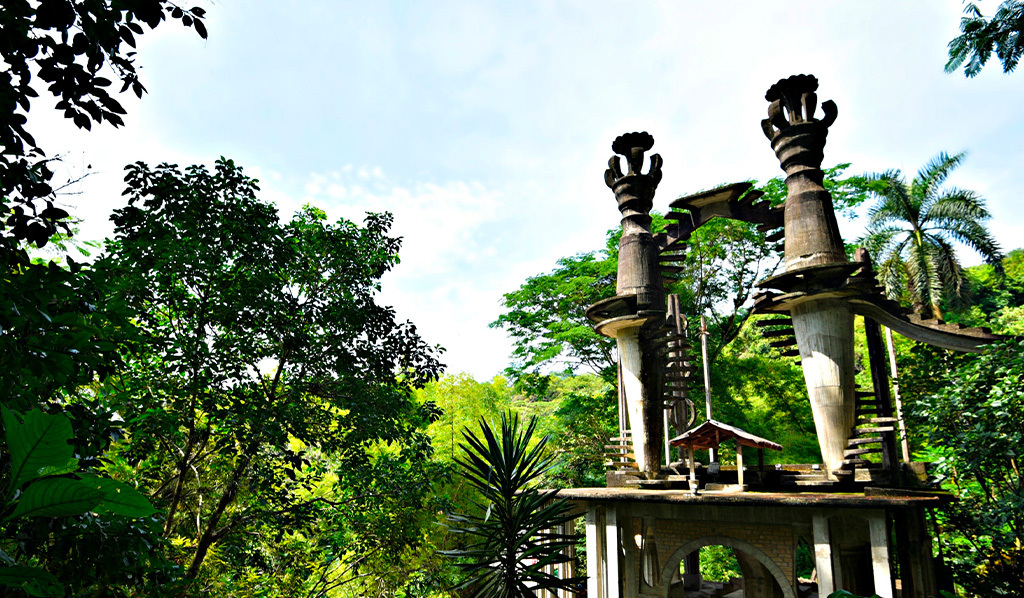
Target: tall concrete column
(639,281)
(824,329)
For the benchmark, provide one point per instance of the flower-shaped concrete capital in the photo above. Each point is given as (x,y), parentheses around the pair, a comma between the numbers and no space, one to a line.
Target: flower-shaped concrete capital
(793,102)
(633,190)
(796,136)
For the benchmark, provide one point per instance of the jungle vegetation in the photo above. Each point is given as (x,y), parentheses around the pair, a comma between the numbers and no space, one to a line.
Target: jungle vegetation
(216,404)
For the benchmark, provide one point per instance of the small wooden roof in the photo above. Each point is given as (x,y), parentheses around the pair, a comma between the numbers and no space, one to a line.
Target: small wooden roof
(711,433)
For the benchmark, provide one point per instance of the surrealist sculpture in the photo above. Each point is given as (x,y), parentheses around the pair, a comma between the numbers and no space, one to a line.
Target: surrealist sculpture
(823,325)
(639,283)
(820,290)
(861,517)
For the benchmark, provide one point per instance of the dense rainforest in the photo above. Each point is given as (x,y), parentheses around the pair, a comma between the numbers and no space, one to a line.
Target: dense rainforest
(215,402)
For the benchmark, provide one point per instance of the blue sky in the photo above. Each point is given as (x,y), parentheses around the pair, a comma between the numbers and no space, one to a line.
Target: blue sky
(485,127)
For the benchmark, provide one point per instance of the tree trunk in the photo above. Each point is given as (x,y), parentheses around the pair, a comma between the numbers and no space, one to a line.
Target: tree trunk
(210,535)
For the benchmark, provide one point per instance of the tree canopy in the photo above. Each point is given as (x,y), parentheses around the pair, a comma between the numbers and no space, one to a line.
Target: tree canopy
(979,37)
(911,230)
(69,46)
(262,346)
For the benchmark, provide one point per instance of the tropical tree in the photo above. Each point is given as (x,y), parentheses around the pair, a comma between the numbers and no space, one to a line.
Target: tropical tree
(965,418)
(912,229)
(58,330)
(262,348)
(1004,33)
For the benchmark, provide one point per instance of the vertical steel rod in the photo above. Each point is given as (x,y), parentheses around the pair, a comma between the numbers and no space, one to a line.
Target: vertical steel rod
(904,440)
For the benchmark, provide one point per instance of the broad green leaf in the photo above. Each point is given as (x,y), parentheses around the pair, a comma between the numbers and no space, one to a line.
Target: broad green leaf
(69,467)
(33,580)
(37,443)
(57,497)
(121,499)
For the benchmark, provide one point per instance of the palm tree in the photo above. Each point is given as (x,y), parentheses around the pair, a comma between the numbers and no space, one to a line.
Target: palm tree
(911,231)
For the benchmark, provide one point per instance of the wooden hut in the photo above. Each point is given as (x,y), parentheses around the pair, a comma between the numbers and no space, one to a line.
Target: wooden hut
(710,434)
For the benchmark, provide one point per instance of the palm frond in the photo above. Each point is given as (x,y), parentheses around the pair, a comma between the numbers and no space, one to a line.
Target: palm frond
(892,274)
(957,204)
(934,173)
(920,275)
(978,238)
(949,270)
(895,202)
(879,241)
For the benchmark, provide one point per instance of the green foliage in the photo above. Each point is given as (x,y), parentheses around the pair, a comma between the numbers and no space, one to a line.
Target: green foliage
(57,329)
(724,258)
(585,417)
(718,563)
(512,542)
(39,486)
(756,389)
(264,367)
(69,46)
(461,401)
(967,421)
(546,317)
(911,230)
(980,36)
(996,296)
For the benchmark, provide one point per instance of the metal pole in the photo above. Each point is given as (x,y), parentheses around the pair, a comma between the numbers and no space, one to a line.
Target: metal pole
(707,370)
(707,376)
(904,440)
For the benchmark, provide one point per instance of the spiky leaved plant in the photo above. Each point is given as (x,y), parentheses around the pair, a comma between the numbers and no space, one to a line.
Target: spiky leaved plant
(512,540)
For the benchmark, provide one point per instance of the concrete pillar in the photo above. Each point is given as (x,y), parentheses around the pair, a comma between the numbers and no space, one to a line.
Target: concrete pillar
(613,547)
(569,568)
(880,562)
(739,464)
(822,555)
(595,553)
(917,566)
(824,332)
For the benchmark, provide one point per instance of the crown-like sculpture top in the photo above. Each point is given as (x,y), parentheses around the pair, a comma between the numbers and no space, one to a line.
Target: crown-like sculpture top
(634,191)
(797,137)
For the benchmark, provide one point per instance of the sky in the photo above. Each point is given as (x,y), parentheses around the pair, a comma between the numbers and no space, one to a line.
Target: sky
(485,127)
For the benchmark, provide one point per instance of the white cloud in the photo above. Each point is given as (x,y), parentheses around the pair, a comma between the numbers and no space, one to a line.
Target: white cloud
(485,127)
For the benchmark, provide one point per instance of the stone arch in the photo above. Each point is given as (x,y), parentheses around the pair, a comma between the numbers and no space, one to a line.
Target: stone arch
(753,551)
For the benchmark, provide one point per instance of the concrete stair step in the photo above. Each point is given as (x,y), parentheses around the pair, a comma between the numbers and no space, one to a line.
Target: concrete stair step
(775,322)
(863,451)
(875,420)
(858,432)
(629,456)
(864,463)
(864,440)
(804,476)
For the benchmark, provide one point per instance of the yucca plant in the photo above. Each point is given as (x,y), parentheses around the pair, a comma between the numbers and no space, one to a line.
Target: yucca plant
(508,545)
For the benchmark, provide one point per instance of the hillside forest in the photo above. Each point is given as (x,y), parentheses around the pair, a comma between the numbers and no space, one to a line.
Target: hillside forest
(214,402)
